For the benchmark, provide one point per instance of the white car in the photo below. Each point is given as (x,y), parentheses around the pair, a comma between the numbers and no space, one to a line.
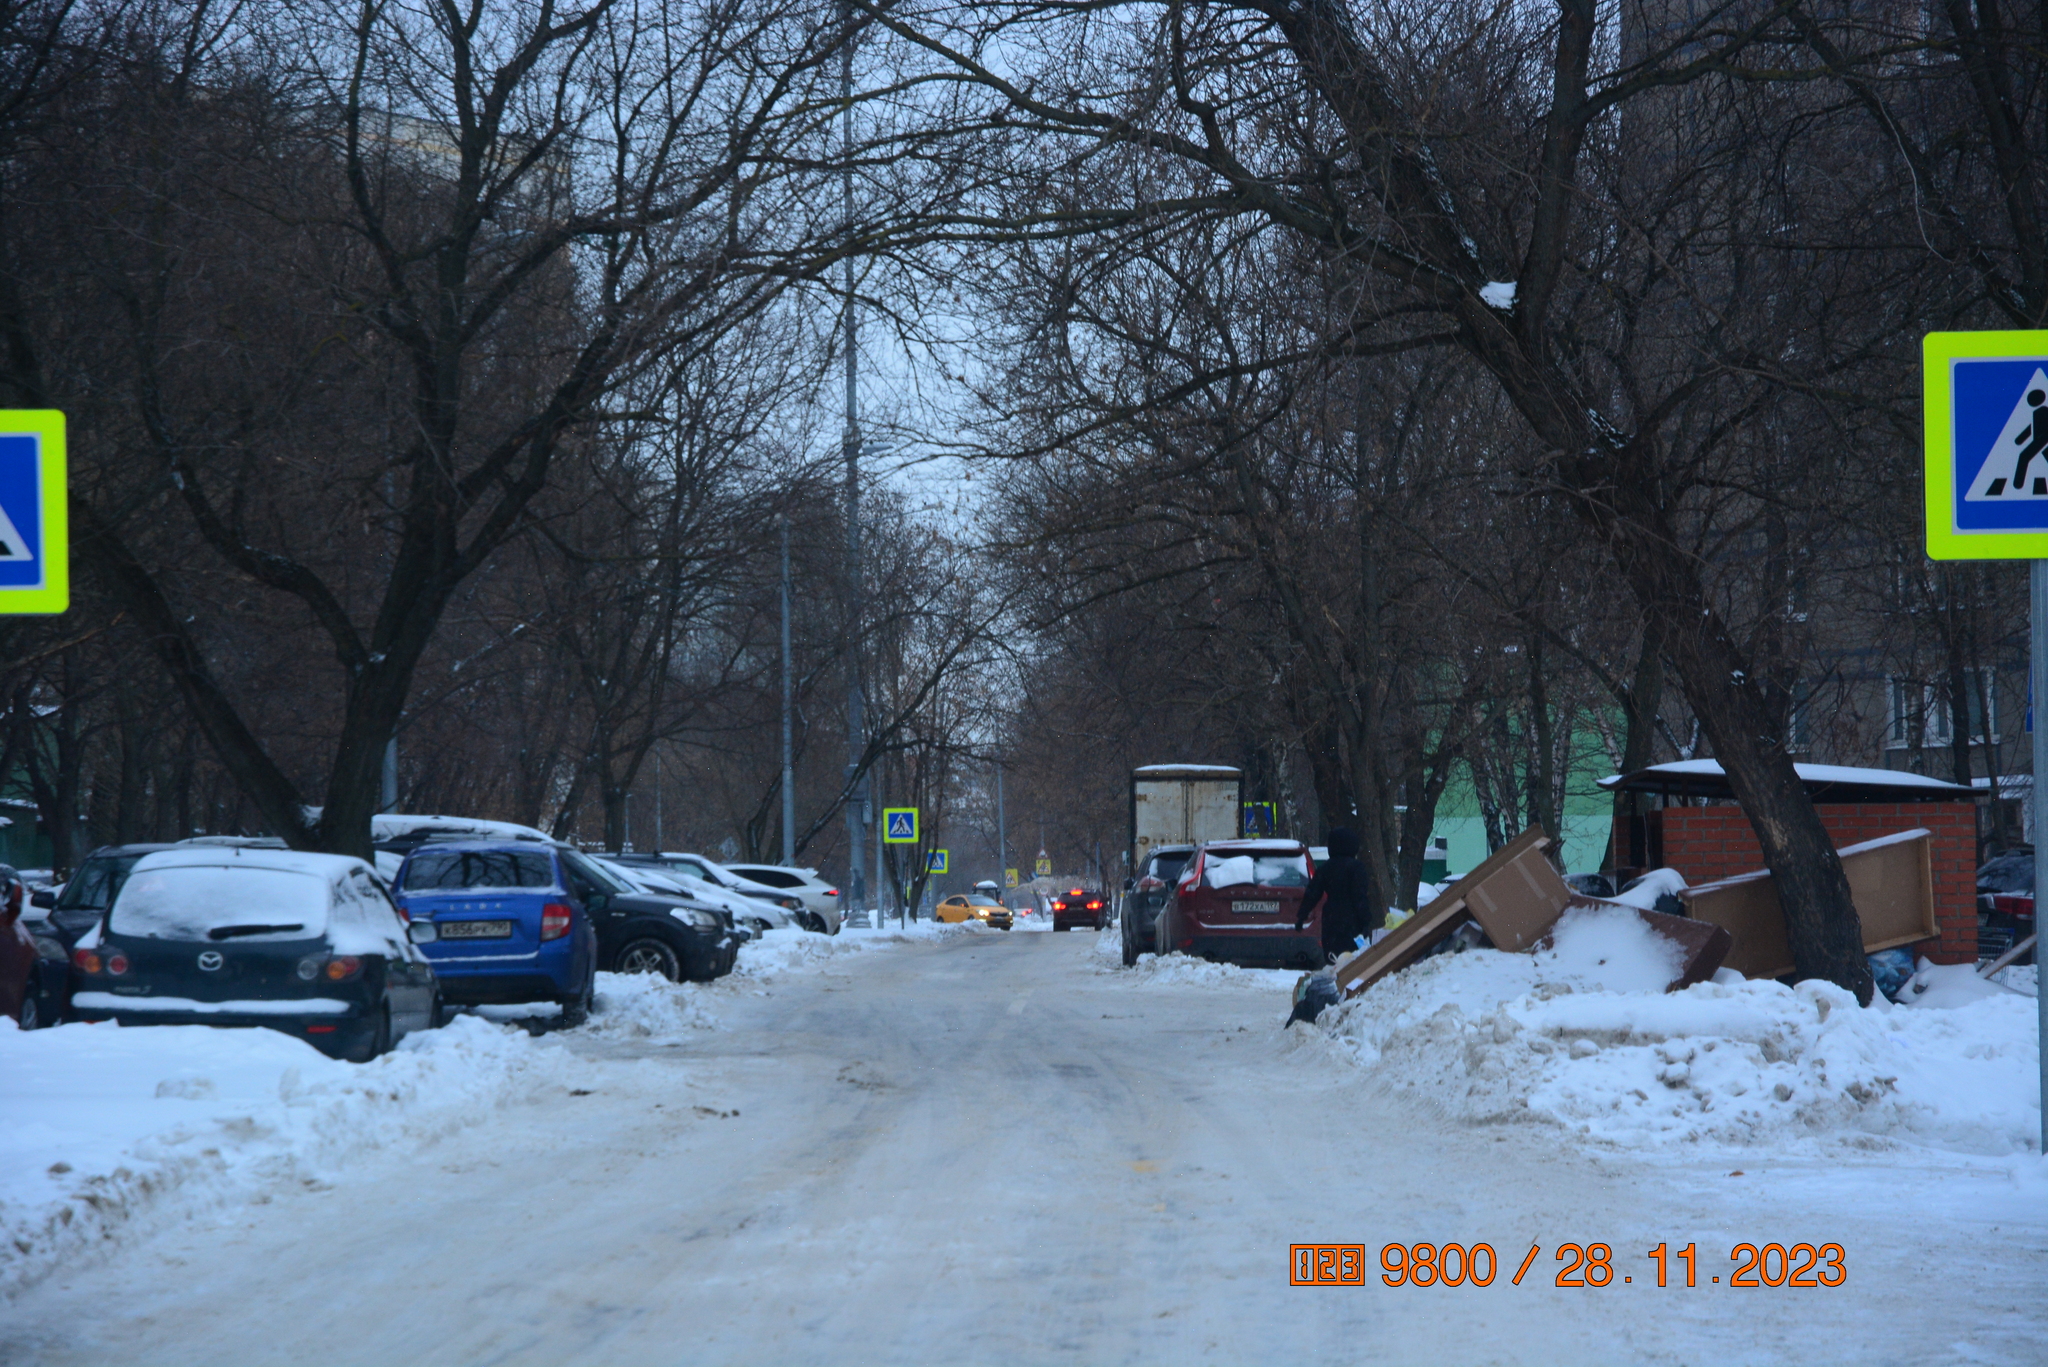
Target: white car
(820,898)
(738,880)
(756,915)
(698,867)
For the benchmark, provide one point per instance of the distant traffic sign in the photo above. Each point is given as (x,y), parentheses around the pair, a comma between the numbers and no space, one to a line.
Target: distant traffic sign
(936,862)
(1259,818)
(899,825)
(35,550)
(1986,414)
(1044,867)
(1009,878)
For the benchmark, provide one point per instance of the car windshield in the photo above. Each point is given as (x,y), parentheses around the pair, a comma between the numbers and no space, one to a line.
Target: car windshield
(442,870)
(97,883)
(980,901)
(220,901)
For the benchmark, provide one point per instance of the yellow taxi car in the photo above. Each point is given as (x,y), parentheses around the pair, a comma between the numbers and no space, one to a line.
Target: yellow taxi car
(973,906)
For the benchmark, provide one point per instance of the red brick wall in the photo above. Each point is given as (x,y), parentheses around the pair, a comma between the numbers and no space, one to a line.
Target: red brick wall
(1706,843)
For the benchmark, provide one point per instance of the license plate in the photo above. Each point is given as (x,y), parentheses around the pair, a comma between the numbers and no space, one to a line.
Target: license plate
(1242,907)
(475,930)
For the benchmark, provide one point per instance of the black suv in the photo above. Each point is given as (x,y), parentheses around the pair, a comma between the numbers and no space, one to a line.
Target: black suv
(84,898)
(1146,894)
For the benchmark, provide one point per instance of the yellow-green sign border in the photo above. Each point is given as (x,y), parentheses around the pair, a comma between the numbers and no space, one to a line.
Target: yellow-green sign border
(1938,350)
(935,862)
(912,838)
(46,425)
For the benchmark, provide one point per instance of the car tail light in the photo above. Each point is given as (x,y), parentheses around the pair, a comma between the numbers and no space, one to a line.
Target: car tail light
(1094,906)
(117,963)
(343,966)
(831,892)
(319,1029)
(554,920)
(1149,884)
(2011,904)
(85,961)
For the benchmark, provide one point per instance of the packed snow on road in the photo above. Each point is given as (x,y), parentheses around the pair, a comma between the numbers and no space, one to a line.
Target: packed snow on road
(959,1144)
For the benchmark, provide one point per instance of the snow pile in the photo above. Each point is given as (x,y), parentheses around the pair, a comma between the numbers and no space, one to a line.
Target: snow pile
(786,951)
(1652,885)
(105,1123)
(1182,970)
(645,1005)
(1609,948)
(1493,1037)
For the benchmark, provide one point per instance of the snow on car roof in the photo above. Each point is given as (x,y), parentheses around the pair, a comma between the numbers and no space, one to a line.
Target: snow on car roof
(231,857)
(392,825)
(1263,843)
(1187,769)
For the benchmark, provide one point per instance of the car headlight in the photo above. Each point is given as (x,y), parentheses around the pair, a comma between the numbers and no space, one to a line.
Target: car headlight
(702,920)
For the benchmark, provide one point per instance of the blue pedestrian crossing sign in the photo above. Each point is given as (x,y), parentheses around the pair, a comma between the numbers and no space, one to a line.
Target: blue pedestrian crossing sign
(35,549)
(1986,435)
(899,825)
(937,862)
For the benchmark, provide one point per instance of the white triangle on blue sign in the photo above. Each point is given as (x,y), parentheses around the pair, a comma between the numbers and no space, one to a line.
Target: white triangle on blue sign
(13,545)
(2016,468)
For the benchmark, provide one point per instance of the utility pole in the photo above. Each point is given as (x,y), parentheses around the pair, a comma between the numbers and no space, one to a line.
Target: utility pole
(856,797)
(788,750)
(388,790)
(1002,837)
(658,846)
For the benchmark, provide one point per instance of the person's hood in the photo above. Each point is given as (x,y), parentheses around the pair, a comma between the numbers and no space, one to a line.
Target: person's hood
(1343,843)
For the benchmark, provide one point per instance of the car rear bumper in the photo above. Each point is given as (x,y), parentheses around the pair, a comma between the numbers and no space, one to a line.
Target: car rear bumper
(329,1024)
(1266,949)
(460,988)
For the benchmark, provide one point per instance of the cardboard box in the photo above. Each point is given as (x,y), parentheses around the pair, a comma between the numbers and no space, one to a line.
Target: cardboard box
(1891,880)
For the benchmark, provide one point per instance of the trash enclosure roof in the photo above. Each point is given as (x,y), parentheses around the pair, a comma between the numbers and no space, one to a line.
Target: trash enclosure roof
(1824,783)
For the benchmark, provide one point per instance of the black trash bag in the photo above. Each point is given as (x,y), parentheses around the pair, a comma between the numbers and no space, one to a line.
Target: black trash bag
(1890,969)
(1314,994)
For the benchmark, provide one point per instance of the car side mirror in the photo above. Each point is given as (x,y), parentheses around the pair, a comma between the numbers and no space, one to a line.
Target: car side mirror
(597,901)
(422,932)
(43,897)
(1130,883)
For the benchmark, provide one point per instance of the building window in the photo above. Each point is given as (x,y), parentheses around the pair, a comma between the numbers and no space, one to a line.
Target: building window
(1921,715)
(1799,719)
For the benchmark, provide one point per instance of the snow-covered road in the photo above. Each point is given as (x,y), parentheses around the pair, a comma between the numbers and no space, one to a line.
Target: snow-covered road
(997,1148)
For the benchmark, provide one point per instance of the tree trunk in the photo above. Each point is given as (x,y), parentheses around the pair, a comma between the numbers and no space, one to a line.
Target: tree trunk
(1639,709)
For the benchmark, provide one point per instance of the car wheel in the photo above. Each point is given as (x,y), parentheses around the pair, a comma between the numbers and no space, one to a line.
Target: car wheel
(649,956)
(1130,951)
(576,1009)
(379,1042)
(437,1014)
(30,1017)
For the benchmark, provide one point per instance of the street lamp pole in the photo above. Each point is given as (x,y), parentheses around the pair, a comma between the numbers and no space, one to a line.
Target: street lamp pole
(856,797)
(788,744)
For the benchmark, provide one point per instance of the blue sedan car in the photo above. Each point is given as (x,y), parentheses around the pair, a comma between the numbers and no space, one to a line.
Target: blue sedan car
(508,927)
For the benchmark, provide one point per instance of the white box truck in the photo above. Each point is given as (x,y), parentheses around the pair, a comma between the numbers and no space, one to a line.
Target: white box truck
(1182,804)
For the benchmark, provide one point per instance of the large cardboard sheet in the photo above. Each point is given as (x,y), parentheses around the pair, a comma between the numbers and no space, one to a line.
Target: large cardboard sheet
(1891,881)
(1508,894)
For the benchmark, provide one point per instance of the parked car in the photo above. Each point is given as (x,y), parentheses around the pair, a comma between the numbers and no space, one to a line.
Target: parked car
(1146,895)
(34,972)
(1235,902)
(1080,907)
(307,944)
(507,927)
(77,905)
(819,897)
(2005,902)
(683,889)
(640,932)
(972,906)
(697,866)
(758,914)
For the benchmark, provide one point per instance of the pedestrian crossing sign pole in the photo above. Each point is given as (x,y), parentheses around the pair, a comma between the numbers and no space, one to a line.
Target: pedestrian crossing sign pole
(899,826)
(1986,414)
(35,540)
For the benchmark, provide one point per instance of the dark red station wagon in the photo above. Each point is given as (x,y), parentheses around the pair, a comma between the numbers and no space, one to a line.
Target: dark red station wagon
(1235,903)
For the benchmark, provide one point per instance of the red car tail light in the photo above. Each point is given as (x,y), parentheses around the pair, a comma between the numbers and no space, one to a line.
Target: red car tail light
(319,1029)
(1094,906)
(831,892)
(85,961)
(343,966)
(1149,884)
(554,920)
(1078,892)
(117,963)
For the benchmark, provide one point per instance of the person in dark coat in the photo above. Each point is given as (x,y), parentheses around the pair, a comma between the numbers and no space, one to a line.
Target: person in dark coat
(1341,884)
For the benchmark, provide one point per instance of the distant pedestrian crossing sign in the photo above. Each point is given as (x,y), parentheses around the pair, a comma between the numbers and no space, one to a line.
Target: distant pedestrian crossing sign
(936,862)
(1986,435)
(35,551)
(899,825)
(1010,878)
